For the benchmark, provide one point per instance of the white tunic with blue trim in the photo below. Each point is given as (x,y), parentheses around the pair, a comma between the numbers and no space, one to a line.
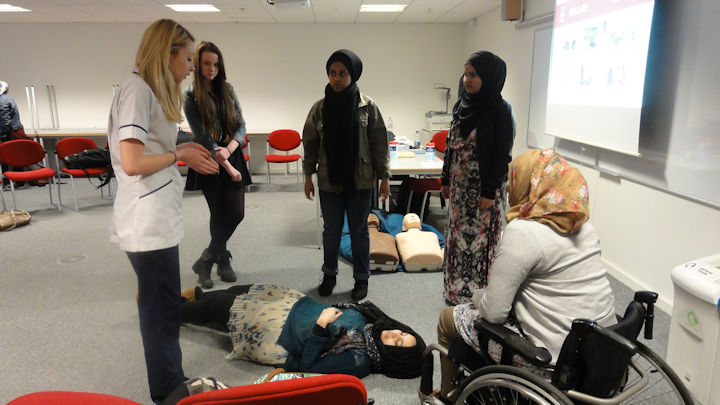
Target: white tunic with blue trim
(147,212)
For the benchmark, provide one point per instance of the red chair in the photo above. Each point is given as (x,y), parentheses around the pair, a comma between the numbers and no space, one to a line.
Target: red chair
(335,389)
(283,140)
(70,398)
(68,146)
(247,155)
(429,185)
(440,140)
(24,153)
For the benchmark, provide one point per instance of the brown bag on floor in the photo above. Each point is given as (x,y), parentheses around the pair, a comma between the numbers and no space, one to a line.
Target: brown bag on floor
(10,220)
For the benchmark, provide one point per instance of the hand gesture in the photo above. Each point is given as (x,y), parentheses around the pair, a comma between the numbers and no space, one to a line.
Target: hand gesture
(234,174)
(221,154)
(328,316)
(197,157)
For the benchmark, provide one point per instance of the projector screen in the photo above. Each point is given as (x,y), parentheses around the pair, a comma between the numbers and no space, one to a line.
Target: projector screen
(597,72)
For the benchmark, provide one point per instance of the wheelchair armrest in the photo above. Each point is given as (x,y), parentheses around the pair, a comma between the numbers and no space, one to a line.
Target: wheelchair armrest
(615,339)
(508,338)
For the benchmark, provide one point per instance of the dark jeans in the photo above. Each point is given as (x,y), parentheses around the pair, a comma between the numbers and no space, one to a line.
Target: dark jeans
(356,204)
(212,307)
(226,201)
(160,308)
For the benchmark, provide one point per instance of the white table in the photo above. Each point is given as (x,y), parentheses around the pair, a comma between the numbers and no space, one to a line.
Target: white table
(415,166)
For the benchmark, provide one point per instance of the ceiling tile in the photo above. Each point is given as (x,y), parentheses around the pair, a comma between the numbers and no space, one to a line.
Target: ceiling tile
(376,17)
(335,17)
(321,11)
(419,17)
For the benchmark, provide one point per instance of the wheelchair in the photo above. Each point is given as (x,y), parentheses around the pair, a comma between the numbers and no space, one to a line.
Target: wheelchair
(596,365)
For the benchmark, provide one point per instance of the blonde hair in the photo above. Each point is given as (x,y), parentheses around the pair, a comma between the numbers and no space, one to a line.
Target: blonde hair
(160,40)
(222,103)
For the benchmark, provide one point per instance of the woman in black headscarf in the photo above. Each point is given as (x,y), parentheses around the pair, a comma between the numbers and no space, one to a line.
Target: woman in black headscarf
(283,327)
(345,143)
(478,151)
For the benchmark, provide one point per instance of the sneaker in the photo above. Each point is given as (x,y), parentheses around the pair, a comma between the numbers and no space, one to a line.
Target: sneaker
(327,285)
(360,290)
(191,387)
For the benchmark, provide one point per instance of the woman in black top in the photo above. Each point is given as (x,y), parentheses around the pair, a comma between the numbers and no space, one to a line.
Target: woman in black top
(214,115)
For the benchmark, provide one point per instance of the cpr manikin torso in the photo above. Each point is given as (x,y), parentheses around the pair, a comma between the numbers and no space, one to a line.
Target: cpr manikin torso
(418,250)
(383,253)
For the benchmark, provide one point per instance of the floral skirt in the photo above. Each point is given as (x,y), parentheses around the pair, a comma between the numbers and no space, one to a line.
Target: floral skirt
(256,320)
(470,239)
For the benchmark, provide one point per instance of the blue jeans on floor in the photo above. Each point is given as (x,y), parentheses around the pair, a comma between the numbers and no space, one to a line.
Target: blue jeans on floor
(160,310)
(356,203)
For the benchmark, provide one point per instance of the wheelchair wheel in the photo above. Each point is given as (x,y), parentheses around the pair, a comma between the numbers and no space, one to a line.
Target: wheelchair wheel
(507,385)
(664,387)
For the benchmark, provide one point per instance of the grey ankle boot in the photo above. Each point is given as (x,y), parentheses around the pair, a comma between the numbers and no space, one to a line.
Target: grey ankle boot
(203,267)
(225,271)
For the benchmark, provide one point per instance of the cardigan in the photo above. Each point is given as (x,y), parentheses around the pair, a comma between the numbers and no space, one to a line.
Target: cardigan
(305,348)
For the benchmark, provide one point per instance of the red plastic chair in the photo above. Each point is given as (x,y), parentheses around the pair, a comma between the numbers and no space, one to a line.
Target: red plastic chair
(68,146)
(70,398)
(24,153)
(429,185)
(283,140)
(440,140)
(335,389)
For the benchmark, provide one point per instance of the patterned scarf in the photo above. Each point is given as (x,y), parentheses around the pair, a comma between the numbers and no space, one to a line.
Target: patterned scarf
(544,187)
(355,339)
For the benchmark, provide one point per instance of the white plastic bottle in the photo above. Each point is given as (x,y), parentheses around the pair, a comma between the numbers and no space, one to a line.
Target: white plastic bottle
(416,140)
(389,125)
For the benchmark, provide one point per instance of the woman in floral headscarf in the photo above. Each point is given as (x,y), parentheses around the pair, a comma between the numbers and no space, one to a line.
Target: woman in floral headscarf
(547,271)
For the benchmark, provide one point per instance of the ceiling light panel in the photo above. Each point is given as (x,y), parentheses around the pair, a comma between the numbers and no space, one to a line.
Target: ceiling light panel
(382,8)
(194,8)
(9,8)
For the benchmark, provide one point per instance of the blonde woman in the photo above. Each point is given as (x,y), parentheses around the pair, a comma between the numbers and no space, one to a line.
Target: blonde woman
(214,115)
(147,215)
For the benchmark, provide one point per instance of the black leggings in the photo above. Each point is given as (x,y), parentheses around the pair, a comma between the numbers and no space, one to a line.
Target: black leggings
(212,307)
(226,201)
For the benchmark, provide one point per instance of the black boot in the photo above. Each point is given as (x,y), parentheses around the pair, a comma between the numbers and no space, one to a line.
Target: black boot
(225,271)
(203,267)
(360,290)
(327,285)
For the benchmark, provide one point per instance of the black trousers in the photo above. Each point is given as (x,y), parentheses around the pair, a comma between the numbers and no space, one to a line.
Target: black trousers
(160,309)
(212,308)
(226,201)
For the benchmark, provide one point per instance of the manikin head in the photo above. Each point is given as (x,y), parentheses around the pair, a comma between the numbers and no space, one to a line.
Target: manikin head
(411,221)
(373,221)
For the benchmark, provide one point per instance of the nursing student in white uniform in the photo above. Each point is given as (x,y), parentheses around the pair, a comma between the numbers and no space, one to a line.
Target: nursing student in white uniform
(147,216)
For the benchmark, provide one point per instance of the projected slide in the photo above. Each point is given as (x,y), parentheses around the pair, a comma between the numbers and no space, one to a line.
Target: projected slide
(597,71)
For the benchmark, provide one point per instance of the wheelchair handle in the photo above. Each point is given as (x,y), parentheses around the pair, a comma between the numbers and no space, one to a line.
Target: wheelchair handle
(648,298)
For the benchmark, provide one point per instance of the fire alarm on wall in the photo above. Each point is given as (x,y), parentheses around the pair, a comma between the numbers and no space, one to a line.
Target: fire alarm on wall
(512,10)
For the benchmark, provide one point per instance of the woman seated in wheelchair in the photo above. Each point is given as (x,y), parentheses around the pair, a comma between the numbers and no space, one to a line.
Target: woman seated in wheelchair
(547,270)
(282,327)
